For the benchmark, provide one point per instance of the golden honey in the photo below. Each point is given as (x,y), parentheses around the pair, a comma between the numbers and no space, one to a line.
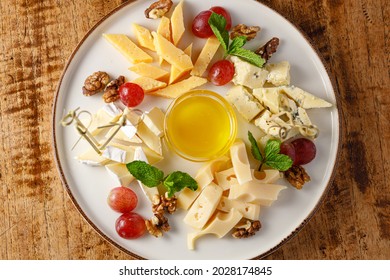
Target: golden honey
(200,125)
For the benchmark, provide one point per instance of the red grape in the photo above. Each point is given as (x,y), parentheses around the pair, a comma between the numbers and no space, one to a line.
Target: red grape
(200,24)
(221,72)
(131,94)
(130,225)
(305,151)
(221,11)
(288,149)
(122,199)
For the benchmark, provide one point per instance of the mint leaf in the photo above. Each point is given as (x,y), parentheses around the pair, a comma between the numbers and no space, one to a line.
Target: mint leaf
(218,25)
(279,161)
(238,42)
(254,147)
(149,175)
(176,181)
(272,147)
(248,56)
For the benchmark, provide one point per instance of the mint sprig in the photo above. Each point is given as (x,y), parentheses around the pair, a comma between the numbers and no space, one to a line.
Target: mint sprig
(151,177)
(272,156)
(235,47)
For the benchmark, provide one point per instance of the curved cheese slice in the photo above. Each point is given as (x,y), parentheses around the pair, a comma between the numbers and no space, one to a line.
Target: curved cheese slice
(240,162)
(204,206)
(255,192)
(267,176)
(248,210)
(219,226)
(187,197)
(205,174)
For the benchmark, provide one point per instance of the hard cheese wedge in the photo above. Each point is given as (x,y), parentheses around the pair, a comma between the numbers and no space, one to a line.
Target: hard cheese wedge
(149,84)
(205,56)
(128,48)
(147,70)
(204,206)
(144,36)
(244,102)
(173,55)
(220,225)
(177,23)
(176,74)
(177,89)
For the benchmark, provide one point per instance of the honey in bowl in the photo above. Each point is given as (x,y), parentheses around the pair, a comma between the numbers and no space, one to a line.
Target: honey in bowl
(200,125)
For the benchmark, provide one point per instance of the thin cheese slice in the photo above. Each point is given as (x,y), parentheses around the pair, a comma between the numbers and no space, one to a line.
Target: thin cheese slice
(154,120)
(204,206)
(248,210)
(226,178)
(149,138)
(149,84)
(171,53)
(176,74)
(164,29)
(187,197)
(144,37)
(205,174)
(220,225)
(255,192)
(128,48)
(147,70)
(177,23)
(240,162)
(205,56)
(177,89)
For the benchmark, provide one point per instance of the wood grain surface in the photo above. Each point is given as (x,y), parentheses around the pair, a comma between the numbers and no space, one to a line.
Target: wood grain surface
(39,221)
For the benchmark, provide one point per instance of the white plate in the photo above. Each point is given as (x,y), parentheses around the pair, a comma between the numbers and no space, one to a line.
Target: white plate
(88,186)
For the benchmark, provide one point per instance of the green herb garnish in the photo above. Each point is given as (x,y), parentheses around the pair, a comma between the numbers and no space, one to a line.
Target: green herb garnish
(218,25)
(272,156)
(151,177)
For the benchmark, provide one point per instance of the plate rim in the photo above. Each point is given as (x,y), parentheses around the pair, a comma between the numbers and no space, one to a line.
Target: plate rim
(293,233)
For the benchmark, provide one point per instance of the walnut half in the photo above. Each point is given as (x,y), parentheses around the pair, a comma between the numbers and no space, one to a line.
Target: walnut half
(249,32)
(157,225)
(111,92)
(269,48)
(162,203)
(297,176)
(158,9)
(247,230)
(95,83)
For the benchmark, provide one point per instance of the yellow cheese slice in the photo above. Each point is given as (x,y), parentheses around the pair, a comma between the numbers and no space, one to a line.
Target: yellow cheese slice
(255,192)
(144,37)
(206,55)
(226,178)
(171,53)
(204,206)
(186,197)
(149,84)
(248,210)
(176,74)
(220,225)
(177,89)
(164,29)
(177,23)
(240,162)
(147,70)
(149,138)
(205,174)
(128,48)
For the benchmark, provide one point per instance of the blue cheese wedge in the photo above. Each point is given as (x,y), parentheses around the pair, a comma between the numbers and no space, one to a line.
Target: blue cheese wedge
(244,102)
(275,126)
(303,98)
(279,73)
(269,97)
(247,74)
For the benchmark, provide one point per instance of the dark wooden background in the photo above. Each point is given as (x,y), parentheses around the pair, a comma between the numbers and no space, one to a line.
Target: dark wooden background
(39,221)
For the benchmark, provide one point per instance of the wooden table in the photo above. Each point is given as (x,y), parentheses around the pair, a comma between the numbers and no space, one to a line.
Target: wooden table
(39,221)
